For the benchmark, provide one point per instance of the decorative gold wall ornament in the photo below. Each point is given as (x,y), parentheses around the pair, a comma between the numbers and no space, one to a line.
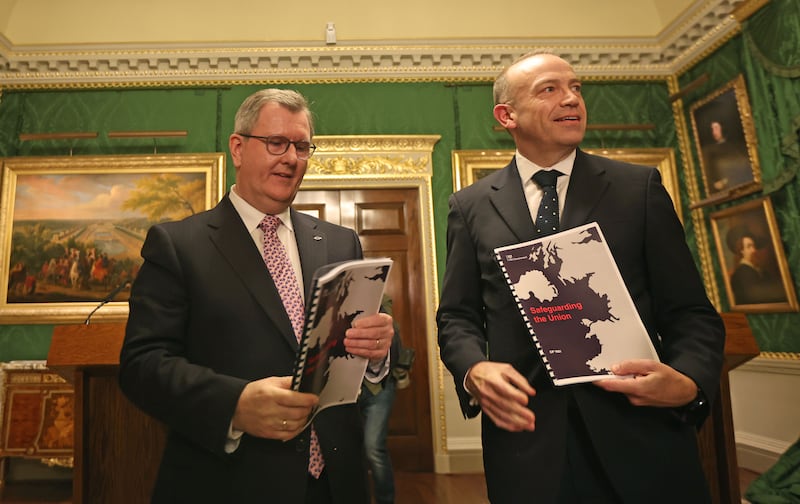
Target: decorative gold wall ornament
(697,215)
(378,165)
(367,156)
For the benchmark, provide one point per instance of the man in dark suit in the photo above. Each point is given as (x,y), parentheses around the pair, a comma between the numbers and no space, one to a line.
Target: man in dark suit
(209,347)
(625,440)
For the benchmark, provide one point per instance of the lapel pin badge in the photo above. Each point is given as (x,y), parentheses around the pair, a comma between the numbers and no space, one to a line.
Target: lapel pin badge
(317,238)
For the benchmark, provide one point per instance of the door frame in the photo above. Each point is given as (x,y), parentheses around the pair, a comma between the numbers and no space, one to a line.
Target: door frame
(394,161)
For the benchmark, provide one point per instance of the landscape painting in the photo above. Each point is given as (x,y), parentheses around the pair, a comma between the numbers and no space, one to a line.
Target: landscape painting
(73,228)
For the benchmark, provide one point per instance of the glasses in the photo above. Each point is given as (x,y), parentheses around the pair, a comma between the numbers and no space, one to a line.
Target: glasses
(277,145)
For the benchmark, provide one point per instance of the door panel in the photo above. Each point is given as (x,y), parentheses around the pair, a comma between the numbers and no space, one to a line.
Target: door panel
(387,222)
(320,204)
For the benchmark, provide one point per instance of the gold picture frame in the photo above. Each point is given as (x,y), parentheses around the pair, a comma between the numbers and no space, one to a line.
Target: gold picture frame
(725,138)
(472,165)
(752,259)
(71,228)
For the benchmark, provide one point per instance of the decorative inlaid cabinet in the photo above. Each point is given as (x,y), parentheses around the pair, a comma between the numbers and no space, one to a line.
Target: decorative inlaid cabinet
(37,414)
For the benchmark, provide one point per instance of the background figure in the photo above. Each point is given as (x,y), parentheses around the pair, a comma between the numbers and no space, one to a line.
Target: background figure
(751,283)
(212,335)
(376,401)
(631,439)
(727,163)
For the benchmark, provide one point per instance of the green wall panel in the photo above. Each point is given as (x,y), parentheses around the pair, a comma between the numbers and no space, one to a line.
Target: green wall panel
(24,342)
(461,113)
(194,111)
(642,103)
(10,116)
(720,67)
(472,106)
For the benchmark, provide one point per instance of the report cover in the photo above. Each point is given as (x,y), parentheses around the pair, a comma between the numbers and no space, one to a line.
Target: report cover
(575,304)
(341,292)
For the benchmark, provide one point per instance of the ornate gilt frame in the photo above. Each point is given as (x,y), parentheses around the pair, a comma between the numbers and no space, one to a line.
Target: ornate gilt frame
(756,219)
(730,107)
(26,214)
(471,165)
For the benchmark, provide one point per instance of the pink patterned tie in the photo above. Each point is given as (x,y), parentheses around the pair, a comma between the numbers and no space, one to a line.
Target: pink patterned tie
(280,268)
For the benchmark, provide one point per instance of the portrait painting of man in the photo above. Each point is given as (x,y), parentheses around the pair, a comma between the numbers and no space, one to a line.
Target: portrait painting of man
(752,259)
(724,134)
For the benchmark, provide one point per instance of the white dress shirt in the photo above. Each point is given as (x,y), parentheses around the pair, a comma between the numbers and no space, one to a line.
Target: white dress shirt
(533,193)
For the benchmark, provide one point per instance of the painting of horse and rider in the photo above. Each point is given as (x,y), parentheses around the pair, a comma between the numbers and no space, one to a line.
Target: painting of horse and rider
(76,237)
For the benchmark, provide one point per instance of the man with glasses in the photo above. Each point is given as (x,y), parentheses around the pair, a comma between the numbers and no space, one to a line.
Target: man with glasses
(213,326)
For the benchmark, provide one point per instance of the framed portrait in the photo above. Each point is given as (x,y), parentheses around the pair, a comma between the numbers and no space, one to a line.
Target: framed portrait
(752,259)
(726,143)
(472,165)
(72,228)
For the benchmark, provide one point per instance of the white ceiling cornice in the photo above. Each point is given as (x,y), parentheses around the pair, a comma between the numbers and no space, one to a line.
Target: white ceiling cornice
(680,45)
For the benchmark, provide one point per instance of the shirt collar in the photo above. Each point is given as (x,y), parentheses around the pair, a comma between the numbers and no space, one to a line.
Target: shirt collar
(527,168)
(251,216)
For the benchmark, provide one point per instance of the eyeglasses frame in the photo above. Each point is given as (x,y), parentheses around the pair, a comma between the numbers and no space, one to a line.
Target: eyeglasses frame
(266,141)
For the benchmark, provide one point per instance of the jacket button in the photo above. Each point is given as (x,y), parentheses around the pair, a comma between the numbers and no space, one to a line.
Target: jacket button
(301,445)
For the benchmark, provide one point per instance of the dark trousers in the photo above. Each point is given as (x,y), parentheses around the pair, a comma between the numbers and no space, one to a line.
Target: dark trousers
(584,480)
(318,491)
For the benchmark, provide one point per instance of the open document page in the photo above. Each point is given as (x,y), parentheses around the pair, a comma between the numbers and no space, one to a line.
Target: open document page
(341,293)
(575,304)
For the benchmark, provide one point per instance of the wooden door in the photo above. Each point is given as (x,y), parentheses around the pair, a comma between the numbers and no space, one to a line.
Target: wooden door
(388,223)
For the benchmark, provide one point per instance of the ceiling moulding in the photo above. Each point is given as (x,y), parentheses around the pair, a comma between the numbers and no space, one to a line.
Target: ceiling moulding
(698,31)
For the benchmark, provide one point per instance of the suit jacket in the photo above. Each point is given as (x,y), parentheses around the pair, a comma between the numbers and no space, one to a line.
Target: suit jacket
(206,319)
(649,455)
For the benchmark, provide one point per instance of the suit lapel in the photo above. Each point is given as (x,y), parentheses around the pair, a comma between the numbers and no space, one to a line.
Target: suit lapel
(508,198)
(312,245)
(586,185)
(229,235)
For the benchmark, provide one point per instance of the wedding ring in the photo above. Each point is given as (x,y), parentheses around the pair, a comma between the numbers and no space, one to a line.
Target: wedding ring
(283,425)
(377,343)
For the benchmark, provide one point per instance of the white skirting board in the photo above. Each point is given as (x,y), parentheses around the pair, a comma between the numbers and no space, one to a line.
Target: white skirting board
(464,455)
(766,410)
(758,453)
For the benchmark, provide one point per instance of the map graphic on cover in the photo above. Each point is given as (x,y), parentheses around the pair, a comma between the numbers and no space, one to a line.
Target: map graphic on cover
(575,304)
(341,292)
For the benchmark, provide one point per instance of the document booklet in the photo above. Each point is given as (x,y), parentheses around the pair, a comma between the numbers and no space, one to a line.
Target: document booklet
(341,292)
(575,304)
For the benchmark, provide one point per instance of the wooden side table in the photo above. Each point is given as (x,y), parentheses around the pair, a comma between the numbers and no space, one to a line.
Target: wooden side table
(716,439)
(36,415)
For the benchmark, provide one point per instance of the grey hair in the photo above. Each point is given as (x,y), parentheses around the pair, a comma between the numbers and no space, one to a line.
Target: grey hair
(247,115)
(502,89)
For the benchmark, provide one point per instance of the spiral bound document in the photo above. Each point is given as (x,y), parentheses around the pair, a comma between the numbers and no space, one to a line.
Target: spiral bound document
(340,293)
(575,304)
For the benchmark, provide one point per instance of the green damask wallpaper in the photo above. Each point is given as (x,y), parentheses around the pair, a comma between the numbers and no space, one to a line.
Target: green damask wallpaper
(459,112)
(773,88)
